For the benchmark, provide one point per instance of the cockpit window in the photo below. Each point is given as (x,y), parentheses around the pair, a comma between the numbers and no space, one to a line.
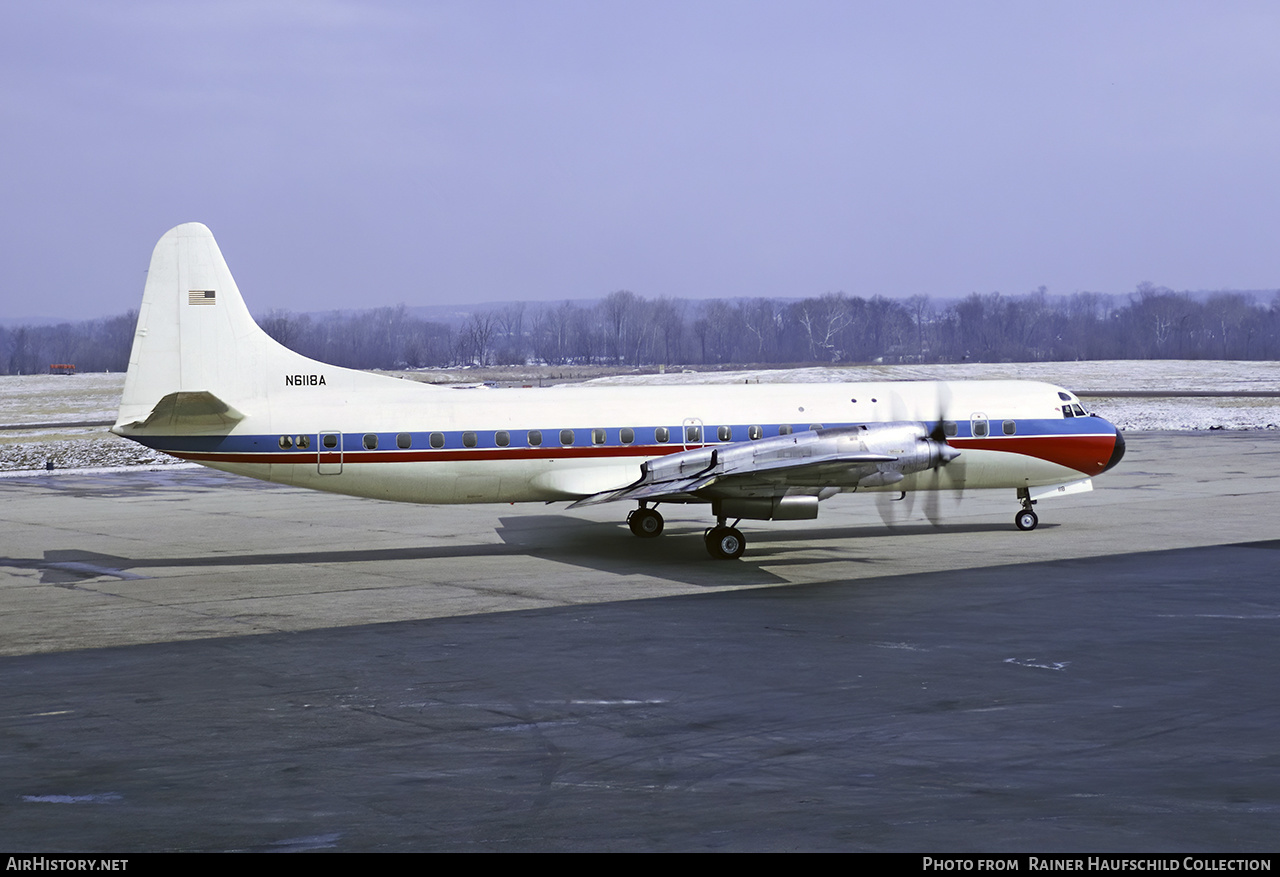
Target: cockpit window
(1078,410)
(1065,397)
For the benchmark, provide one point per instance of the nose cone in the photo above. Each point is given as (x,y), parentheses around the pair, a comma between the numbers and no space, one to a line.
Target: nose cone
(1117,453)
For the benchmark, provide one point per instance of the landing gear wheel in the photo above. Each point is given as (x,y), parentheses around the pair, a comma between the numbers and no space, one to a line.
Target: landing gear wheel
(725,543)
(645,523)
(1026,519)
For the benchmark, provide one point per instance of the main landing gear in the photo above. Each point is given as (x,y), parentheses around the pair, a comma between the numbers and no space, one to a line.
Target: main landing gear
(645,522)
(723,542)
(1026,519)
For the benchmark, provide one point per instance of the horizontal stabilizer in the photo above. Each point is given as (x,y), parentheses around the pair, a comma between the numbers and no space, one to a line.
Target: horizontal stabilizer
(198,411)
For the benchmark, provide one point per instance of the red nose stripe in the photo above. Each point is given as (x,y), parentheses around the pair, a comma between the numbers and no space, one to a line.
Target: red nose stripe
(1084,453)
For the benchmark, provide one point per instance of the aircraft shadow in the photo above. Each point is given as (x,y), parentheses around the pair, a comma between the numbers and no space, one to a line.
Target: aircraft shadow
(606,547)
(68,566)
(678,555)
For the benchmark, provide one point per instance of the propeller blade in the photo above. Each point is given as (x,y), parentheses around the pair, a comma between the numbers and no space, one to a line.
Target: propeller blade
(894,508)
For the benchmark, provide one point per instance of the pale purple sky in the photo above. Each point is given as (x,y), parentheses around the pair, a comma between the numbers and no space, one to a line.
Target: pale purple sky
(362,154)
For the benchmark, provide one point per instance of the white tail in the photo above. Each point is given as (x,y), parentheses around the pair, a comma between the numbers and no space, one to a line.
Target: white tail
(199,362)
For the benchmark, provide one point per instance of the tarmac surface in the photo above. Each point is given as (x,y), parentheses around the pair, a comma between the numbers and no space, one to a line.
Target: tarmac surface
(194,661)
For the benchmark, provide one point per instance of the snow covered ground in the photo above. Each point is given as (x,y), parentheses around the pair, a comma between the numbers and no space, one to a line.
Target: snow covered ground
(55,399)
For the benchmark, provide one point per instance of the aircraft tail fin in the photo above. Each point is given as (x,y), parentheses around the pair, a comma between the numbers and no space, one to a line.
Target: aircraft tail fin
(199,361)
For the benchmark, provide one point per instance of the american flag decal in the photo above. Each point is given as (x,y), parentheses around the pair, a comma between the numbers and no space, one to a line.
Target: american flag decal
(202,297)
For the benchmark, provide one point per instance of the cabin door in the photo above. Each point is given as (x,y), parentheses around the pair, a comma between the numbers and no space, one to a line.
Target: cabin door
(329,453)
(978,424)
(693,433)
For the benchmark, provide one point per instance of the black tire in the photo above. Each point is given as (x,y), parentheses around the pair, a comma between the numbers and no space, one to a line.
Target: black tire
(1026,520)
(645,523)
(725,543)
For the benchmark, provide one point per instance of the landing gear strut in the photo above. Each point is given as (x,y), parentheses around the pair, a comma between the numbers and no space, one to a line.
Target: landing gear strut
(645,522)
(725,543)
(1026,519)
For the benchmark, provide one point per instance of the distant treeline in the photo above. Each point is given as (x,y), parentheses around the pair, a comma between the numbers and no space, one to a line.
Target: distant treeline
(628,329)
(90,345)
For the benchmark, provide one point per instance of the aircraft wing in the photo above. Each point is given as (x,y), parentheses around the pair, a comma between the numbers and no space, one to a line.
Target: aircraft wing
(769,467)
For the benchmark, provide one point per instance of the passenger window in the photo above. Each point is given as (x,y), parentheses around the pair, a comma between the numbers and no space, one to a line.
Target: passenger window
(469,439)
(404,441)
(785,429)
(502,438)
(662,434)
(437,440)
(535,438)
(754,432)
(303,441)
(724,433)
(628,435)
(980,429)
(1010,427)
(949,428)
(370,442)
(285,442)
(815,426)
(330,442)
(693,433)
(597,436)
(566,437)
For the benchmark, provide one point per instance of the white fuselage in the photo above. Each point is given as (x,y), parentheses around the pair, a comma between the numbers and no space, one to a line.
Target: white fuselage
(598,459)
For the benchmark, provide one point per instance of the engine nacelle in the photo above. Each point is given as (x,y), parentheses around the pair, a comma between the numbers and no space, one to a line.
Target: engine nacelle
(765,508)
(915,449)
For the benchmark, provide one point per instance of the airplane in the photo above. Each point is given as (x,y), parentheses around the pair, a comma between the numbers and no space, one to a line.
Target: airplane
(207,384)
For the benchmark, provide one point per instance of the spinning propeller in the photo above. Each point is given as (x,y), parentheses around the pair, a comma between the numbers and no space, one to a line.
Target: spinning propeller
(897,509)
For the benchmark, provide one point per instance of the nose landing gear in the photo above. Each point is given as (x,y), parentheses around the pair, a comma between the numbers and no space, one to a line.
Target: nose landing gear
(1026,519)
